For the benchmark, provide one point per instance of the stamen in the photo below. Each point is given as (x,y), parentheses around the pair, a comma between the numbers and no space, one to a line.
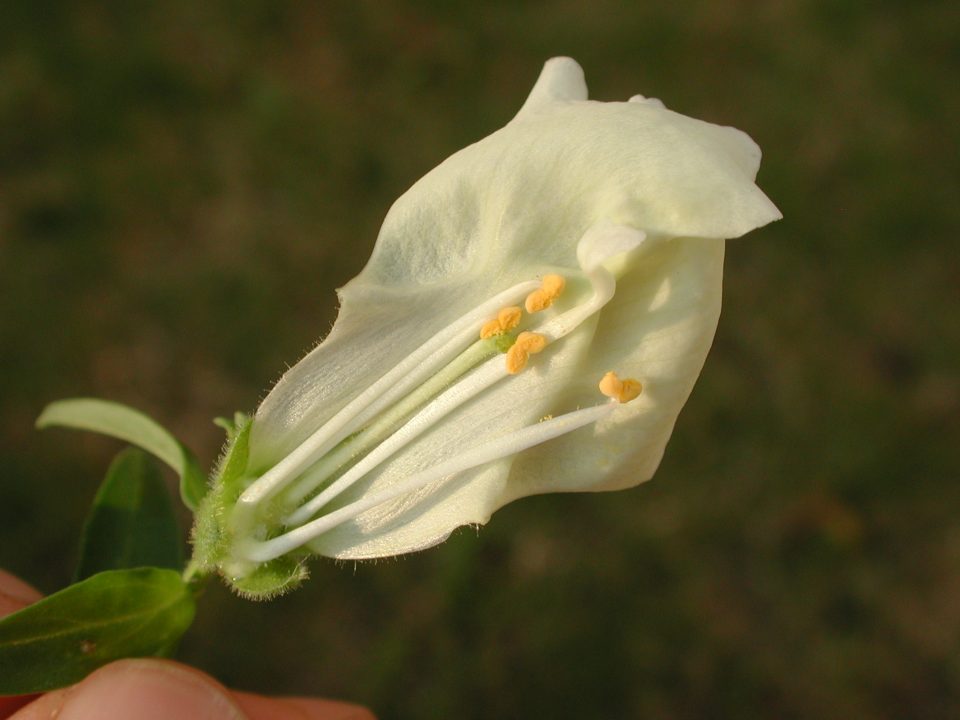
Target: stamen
(507,319)
(623,391)
(505,446)
(374,434)
(438,377)
(527,344)
(550,289)
(398,382)
(484,376)
(604,286)
(453,397)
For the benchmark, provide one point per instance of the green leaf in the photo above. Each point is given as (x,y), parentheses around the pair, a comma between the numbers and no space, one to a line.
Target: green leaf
(131,523)
(115,614)
(125,423)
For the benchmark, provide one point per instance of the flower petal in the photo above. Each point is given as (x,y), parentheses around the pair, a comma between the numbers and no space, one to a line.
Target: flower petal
(568,185)
(505,209)
(658,328)
(560,80)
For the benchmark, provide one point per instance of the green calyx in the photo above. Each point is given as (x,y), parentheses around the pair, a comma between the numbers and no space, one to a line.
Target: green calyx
(211,535)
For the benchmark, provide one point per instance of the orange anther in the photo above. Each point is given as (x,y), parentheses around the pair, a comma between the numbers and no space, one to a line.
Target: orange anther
(531,342)
(620,390)
(553,284)
(550,289)
(489,329)
(518,355)
(507,319)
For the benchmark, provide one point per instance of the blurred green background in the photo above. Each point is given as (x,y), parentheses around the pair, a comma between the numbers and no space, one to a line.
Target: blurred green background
(183,185)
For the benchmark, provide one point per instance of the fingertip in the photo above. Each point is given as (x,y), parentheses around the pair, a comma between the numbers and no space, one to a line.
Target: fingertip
(145,689)
(15,594)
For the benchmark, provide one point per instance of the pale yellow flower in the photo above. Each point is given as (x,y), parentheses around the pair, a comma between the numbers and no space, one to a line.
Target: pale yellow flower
(582,238)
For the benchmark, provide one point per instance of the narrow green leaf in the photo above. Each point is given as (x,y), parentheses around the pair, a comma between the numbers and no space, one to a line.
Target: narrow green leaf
(125,423)
(131,523)
(115,614)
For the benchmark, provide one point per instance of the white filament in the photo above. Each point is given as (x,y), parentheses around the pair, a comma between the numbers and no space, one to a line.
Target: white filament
(487,374)
(408,373)
(492,371)
(598,244)
(484,453)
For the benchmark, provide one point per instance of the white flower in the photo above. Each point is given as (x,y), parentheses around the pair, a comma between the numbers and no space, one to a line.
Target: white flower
(403,424)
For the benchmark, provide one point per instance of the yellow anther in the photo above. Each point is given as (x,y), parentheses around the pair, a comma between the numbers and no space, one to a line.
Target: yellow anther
(516,360)
(507,319)
(550,289)
(622,391)
(631,390)
(553,285)
(518,355)
(489,329)
(537,301)
(531,342)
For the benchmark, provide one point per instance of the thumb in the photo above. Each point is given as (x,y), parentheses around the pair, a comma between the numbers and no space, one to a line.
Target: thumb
(149,689)
(15,594)
(144,689)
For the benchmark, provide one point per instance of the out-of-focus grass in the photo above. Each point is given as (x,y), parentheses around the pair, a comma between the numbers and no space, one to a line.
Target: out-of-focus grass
(183,185)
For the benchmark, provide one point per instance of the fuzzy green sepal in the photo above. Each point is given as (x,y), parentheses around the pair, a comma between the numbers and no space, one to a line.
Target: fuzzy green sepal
(270,579)
(209,530)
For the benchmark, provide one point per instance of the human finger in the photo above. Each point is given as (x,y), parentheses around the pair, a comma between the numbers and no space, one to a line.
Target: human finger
(14,595)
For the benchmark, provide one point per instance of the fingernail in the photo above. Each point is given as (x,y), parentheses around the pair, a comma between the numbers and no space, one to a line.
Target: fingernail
(149,690)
